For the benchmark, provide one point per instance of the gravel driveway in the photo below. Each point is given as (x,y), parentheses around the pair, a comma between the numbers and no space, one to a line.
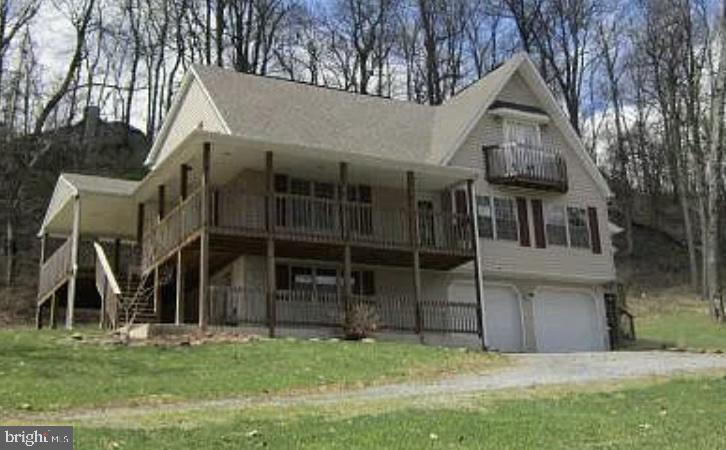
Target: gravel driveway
(530,370)
(526,370)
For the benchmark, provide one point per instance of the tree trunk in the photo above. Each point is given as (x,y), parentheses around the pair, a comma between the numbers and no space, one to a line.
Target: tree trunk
(713,177)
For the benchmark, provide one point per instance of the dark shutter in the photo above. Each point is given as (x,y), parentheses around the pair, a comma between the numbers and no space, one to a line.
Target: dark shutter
(538,220)
(460,202)
(594,230)
(523,222)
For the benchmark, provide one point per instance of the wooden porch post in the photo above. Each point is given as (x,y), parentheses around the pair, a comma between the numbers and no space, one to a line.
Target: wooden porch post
(478,276)
(183,191)
(179,317)
(161,203)
(70,310)
(39,316)
(53,311)
(271,283)
(413,231)
(204,238)
(43,242)
(345,229)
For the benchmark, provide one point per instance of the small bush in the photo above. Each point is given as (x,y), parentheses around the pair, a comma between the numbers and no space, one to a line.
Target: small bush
(361,321)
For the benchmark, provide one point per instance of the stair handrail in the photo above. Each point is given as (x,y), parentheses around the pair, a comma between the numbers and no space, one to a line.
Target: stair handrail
(107,286)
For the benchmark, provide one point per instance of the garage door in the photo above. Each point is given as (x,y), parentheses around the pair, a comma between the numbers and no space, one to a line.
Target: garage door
(502,314)
(503,319)
(566,321)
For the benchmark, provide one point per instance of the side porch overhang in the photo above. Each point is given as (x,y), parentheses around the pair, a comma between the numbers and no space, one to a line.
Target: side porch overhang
(106,207)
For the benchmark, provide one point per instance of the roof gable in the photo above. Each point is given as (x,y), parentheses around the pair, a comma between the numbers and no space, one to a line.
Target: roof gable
(191,108)
(519,81)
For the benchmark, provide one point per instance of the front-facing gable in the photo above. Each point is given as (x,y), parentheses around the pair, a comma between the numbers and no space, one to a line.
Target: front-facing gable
(518,81)
(191,109)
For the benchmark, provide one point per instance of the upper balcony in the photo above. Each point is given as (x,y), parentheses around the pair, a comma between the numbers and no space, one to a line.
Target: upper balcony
(527,166)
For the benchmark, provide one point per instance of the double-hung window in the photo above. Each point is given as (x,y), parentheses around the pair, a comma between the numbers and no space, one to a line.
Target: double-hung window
(497,218)
(505,216)
(579,230)
(556,225)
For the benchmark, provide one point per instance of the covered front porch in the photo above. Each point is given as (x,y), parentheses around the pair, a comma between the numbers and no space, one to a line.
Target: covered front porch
(218,197)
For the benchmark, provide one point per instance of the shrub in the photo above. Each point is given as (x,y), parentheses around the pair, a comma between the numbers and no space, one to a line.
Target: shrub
(361,321)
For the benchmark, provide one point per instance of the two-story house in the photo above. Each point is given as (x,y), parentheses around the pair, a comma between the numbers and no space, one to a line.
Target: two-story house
(277,204)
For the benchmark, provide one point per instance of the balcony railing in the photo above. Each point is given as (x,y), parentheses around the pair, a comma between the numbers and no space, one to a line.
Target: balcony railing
(527,166)
(233,306)
(55,269)
(308,219)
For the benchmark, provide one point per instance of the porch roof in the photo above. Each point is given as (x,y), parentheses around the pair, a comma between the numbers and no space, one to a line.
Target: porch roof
(231,154)
(107,206)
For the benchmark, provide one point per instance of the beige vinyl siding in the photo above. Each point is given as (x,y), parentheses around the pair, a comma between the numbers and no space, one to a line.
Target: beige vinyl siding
(554,261)
(195,111)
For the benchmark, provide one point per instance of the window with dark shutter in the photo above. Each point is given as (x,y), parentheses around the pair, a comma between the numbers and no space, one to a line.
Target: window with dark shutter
(523,222)
(594,230)
(538,221)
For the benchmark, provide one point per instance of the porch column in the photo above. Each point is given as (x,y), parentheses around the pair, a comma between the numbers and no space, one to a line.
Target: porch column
(478,276)
(271,282)
(43,242)
(161,204)
(179,317)
(75,238)
(204,238)
(345,230)
(39,316)
(53,311)
(183,191)
(413,232)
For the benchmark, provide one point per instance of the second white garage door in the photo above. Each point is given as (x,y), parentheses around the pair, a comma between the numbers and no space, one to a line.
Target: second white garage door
(566,321)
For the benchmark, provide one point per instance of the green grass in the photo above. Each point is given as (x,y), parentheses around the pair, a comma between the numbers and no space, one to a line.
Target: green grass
(682,414)
(685,330)
(676,319)
(47,370)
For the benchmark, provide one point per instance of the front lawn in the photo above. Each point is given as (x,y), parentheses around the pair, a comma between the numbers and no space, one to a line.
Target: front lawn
(676,319)
(47,370)
(681,414)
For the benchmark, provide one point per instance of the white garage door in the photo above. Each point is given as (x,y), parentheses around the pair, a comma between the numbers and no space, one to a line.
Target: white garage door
(502,314)
(503,319)
(566,321)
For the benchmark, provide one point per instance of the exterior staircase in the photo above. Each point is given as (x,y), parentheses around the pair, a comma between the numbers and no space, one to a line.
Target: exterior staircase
(126,303)
(137,301)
